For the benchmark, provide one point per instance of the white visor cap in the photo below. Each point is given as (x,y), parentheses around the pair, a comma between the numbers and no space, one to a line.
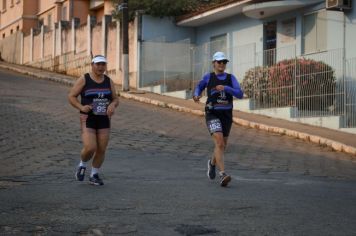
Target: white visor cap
(98,59)
(219,56)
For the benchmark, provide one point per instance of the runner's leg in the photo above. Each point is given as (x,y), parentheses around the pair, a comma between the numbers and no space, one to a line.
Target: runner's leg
(219,150)
(88,139)
(213,160)
(102,140)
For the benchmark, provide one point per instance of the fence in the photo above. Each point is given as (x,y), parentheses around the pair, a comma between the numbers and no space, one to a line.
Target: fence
(316,85)
(350,93)
(166,64)
(313,83)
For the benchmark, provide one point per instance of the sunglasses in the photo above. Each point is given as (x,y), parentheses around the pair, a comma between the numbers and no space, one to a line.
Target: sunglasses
(222,62)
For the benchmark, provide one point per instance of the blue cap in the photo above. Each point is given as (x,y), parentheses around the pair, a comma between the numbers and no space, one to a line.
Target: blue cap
(219,56)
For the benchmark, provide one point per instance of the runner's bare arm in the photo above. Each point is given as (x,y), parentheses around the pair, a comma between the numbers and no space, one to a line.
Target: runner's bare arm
(115,100)
(74,93)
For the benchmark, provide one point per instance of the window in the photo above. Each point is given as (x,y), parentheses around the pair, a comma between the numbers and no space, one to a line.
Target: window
(17,28)
(3,35)
(269,43)
(314,32)
(11,31)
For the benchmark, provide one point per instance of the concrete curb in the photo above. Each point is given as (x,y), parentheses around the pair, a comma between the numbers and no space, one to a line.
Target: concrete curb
(324,142)
(63,81)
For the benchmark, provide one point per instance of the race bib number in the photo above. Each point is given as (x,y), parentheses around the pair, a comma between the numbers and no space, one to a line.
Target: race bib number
(100,107)
(214,126)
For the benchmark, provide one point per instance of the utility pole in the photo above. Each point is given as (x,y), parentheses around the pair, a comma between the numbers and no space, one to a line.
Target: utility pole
(125,44)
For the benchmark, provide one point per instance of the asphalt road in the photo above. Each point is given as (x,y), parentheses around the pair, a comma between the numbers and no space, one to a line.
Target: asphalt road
(155,174)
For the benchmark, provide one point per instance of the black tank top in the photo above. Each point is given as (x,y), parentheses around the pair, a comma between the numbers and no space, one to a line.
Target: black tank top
(219,98)
(98,95)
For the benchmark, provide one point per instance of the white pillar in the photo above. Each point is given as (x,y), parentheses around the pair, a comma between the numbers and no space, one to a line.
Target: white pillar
(54,40)
(103,36)
(88,36)
(60,38)
(22,48)
(31,45)
(42,41)
(118,50)
(73,35)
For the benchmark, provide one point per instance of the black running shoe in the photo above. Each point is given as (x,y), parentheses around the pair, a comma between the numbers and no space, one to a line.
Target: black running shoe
(80,173)
(95,180)
(211,170)
(224,180)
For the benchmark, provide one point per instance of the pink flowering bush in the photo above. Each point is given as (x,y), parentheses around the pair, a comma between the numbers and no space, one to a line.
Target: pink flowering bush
(305,83)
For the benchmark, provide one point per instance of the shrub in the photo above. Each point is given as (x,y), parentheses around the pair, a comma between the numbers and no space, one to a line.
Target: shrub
(304,83)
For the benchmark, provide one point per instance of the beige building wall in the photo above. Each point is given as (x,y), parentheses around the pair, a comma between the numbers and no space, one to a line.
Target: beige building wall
(76,62)
(47,12)
(67,41)
(81,41)
(108,7)
(48,44)
(11,16)
(10,48)
(111,47)
(14,17)
(99,15)
(133,53)
(96,40)
(81,10)
(58,42)
(30,9)
(26,49)
(45,5)
(37,44)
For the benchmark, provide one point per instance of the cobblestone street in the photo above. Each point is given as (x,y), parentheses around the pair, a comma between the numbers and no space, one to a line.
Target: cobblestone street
(155,174)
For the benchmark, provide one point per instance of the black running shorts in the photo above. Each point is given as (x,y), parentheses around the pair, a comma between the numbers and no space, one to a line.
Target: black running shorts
(219,121)
(95,122)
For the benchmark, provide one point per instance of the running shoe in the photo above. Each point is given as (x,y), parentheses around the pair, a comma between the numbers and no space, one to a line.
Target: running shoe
(224,180)
(211,170)
(95,180)
(80,173)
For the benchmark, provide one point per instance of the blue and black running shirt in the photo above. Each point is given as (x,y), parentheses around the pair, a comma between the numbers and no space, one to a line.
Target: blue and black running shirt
(98,95)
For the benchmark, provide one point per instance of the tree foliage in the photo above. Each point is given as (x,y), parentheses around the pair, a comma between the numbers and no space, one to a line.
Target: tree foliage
(161,8)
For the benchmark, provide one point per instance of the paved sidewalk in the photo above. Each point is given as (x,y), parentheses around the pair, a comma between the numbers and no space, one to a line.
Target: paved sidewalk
(336,140)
